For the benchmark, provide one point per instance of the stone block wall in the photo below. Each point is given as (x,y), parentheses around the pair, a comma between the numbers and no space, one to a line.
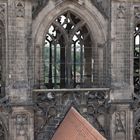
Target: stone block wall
(112,24)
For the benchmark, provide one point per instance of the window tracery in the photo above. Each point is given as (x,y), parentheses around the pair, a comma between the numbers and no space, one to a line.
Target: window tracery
(67,53)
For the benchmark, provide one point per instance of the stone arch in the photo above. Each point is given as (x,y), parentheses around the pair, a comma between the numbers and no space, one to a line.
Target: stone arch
(95,21)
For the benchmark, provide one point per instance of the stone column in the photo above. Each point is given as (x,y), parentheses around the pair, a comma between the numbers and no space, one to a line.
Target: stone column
(121,73)
(21,122)
(19,88)
(121,49)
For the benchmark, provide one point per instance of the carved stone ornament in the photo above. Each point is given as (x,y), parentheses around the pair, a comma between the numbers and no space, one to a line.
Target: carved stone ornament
(137,124)
(137,128)
(2,132)
(137,12)
(21,124)
(2,9)
(51,108)
(120,122)
(102,6)
(20,10)
(2,12)
(121,11)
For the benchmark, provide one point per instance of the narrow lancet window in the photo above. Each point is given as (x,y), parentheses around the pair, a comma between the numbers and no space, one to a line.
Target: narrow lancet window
(137,60)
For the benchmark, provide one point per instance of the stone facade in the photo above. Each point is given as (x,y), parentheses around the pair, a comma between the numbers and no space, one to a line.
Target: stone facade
(28,111)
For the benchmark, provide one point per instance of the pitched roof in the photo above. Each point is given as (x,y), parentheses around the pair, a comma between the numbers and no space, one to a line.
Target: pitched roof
(75,127)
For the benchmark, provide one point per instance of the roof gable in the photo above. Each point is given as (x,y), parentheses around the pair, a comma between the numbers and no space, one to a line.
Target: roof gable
(75,127)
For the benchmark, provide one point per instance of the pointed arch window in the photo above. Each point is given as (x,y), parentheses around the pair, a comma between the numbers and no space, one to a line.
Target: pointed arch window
(137,60)
(67,53)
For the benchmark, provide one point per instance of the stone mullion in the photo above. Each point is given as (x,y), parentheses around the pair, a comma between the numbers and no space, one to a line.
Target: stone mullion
(41,69)
(95,67)
(100,66)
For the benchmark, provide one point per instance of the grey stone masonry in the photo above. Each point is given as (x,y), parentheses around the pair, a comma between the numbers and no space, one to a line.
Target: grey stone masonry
(21,119)
(19,18)
(30,111)
(121,50)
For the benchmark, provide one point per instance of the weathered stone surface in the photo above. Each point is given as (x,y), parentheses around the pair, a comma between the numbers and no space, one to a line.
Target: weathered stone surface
(111,25)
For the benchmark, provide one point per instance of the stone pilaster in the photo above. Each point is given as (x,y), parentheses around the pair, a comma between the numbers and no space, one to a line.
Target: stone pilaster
(20,29)
(121,49)
(121,124)
(21,121)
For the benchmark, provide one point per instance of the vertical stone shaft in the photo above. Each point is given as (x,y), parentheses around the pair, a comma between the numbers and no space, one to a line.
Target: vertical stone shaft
(21,119)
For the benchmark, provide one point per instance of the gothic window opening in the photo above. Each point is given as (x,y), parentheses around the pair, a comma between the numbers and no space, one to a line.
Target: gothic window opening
(137,78)
(137,60)
(67,53)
